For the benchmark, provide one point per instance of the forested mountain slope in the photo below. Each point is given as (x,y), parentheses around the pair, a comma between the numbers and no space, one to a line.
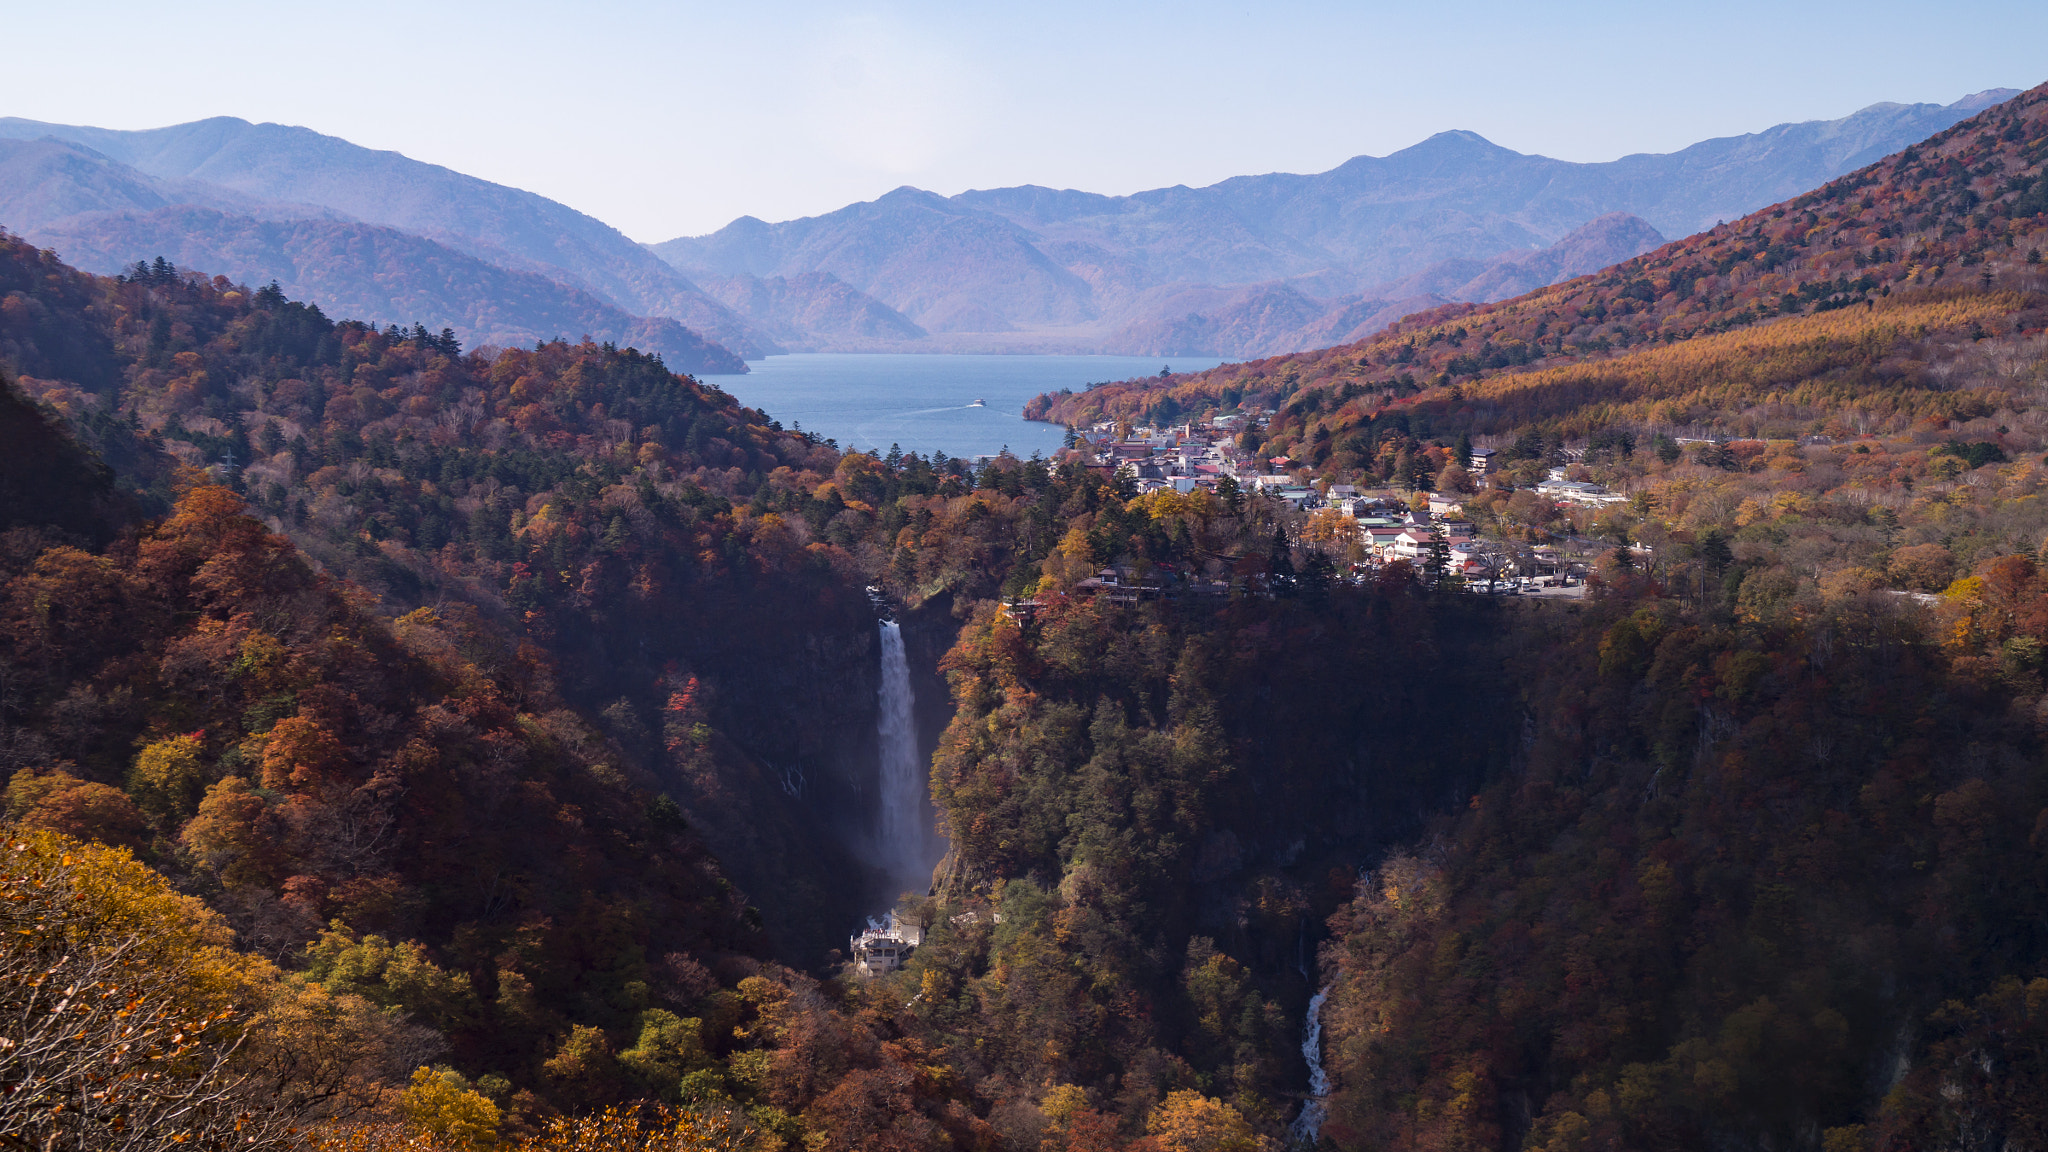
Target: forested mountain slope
(196,692)
(380,450)
(1945,233)
(1739,849)
(691,577)
(1762,866)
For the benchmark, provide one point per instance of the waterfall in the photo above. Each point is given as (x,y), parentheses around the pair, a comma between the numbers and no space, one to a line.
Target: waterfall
(1309,1124)
(903,832)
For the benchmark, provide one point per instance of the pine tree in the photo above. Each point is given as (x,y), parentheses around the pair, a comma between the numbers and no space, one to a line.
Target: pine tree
(1437,561)
(1280,564)
(1231,495)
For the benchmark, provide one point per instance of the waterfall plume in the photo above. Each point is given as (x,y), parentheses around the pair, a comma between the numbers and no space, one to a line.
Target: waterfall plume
(904,829)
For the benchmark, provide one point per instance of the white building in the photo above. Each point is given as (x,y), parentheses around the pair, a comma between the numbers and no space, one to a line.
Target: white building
(882,948)
(1575,492)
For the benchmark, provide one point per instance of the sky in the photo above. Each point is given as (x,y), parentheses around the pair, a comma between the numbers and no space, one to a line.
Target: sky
(673,118)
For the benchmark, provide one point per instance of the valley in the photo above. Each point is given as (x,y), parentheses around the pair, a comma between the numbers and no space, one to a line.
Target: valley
(437,730)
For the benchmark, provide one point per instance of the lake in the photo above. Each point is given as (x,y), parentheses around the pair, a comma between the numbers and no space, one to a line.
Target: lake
(925,401)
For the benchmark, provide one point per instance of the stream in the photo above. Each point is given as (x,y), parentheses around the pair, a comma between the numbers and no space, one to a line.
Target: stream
(1309,1124)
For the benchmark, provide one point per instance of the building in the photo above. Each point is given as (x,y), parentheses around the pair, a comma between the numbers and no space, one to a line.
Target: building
(882,948)
(1412,545)
(1577,492)
(1483,461)
(1382,538)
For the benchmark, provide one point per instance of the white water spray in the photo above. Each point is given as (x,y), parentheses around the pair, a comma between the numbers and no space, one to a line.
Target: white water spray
(1309,1124)
(903,833)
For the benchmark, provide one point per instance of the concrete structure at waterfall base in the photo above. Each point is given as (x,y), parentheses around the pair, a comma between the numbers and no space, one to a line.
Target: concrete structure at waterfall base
(883,948)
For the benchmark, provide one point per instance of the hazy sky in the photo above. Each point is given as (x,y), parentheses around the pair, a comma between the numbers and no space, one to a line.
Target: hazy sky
(669,119)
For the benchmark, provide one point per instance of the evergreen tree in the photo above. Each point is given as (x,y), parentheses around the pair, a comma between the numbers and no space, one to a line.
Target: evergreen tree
(1280,564)
(1436,563)
(1231,495)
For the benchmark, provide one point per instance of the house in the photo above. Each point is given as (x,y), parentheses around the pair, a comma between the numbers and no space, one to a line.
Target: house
(1440,505)
(1118,585)
(1483,461)
(1411,545)
(1381,538)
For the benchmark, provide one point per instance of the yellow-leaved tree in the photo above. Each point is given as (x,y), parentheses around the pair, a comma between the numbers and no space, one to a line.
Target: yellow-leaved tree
(128,1021)
(1191,1122)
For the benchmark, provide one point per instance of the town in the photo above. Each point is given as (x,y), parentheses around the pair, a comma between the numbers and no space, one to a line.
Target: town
(1365,531)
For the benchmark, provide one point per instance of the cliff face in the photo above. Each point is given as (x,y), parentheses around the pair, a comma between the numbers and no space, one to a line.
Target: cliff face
(786,788)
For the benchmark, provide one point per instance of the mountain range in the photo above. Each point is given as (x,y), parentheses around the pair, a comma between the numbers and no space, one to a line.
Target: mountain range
(1254,265)
(1263,264)
(373,234)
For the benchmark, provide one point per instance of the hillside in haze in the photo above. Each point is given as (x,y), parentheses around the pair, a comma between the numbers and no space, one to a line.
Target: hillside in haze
(1036,267)
(381,275)
(1265,319)
(813,312)
(1251,266)
(424,244)
(280,164)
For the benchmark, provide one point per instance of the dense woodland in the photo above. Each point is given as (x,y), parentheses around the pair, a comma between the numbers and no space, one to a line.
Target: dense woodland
(417,746)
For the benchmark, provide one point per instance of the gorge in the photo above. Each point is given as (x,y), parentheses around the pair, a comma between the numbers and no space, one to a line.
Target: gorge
(495,750)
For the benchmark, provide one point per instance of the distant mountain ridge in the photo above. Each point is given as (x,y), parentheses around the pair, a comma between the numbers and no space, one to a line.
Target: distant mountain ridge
(415,278)
(1111,271)
(1254,265)
(814,309)
(279,164)
(1277,317)
(305,210)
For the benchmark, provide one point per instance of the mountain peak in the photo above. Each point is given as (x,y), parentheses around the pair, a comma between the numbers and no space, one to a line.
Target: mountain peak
(1460,141)
(1990,97)
(1458,146)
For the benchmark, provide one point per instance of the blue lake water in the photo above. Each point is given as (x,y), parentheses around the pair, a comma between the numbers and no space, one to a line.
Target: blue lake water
(925,401)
